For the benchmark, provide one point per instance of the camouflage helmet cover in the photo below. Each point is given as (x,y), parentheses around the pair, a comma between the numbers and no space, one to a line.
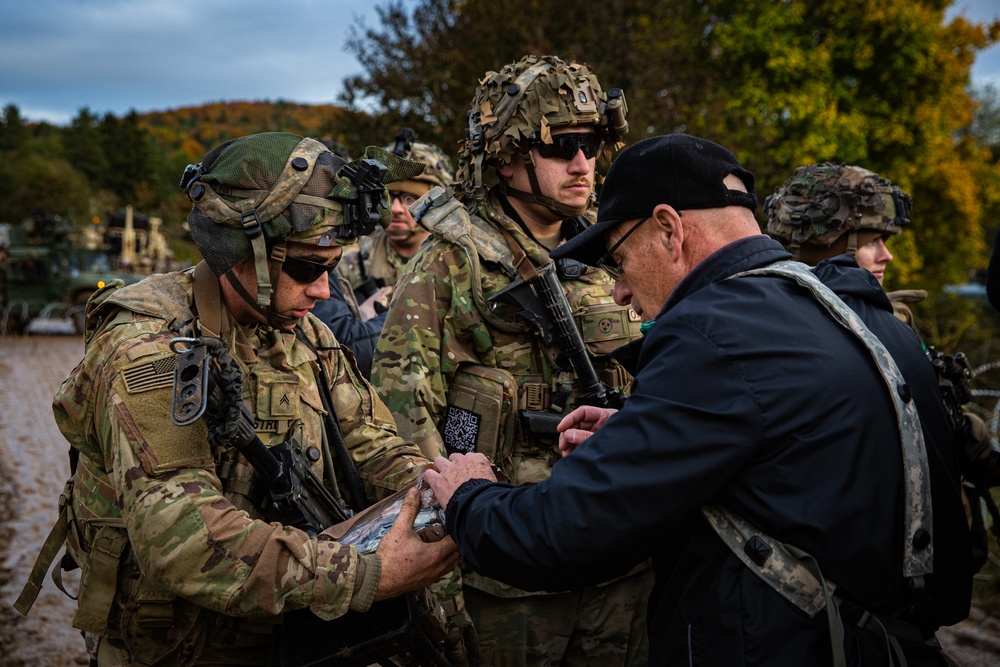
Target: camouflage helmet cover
(822,202)
(437,166)
(517,106)
(277,186)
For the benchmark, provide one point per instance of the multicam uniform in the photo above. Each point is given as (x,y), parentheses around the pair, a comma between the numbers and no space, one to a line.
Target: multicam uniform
(195,554)
(456,375)
(376,258)
(180,567)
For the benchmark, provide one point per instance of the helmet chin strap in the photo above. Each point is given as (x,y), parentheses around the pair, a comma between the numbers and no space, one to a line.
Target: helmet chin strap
(563,211)
(266,310)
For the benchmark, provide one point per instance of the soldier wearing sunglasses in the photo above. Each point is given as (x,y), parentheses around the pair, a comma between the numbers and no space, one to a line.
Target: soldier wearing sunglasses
(362,285)
(463,372)
(185,563)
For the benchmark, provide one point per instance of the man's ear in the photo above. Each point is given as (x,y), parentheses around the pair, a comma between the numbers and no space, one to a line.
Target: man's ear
(669,226)
(504,171)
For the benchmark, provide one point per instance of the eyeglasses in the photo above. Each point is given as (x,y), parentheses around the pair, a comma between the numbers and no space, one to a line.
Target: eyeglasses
(405,198)
(565,146)
(305,271)
(607,263)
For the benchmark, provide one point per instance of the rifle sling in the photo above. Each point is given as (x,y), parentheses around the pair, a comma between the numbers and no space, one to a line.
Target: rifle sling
(208,302)
(353,479)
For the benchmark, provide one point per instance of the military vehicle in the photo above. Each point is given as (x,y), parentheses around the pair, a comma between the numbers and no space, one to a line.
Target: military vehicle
(44,275)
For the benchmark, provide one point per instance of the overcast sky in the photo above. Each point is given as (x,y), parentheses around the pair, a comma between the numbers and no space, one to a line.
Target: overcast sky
(57,56)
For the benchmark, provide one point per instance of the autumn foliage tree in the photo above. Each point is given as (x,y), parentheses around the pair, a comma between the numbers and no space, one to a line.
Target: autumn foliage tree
(882,84)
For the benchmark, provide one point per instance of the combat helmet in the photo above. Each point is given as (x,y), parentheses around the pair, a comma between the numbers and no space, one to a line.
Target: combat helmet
(828,209)
(516,108)
(253,194)
(437,166)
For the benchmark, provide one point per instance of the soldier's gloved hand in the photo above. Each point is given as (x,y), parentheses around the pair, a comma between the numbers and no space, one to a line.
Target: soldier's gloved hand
(461,642)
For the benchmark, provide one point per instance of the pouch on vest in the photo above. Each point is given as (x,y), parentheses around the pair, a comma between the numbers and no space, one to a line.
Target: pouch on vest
(604,325)
(480,413)
(100,580)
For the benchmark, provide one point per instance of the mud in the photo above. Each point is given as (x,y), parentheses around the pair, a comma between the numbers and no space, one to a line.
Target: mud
(34,466)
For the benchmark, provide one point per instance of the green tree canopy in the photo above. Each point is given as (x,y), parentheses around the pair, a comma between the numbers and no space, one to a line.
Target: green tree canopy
(782,83)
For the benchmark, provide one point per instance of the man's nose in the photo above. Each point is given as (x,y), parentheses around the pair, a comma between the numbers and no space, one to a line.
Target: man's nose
(621,293)
(320,288)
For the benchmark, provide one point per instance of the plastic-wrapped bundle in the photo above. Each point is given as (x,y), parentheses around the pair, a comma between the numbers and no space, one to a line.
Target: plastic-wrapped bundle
(366,529)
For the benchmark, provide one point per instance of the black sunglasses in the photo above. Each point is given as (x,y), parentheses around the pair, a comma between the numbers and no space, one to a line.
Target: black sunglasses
(565,146)
(404,197)
(607,263)
(306,271)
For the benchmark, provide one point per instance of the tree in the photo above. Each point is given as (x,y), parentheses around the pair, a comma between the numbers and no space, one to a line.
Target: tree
(130,159)
(13,132)
(36,179)
(783,83)
(985,128)
(84,149)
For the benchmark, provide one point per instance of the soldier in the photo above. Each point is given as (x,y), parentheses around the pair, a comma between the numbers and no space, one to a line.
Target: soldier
(181,566)
(383,255)
(355,311)
(462,372)
(825,210)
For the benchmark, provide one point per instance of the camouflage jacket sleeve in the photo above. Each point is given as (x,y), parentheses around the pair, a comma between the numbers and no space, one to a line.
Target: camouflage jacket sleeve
(186,536)
(432,327)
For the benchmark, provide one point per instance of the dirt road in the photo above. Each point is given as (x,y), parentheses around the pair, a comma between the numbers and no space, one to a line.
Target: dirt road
(34,466)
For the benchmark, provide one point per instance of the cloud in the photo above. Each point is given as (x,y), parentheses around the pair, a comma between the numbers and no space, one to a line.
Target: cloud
(113,55)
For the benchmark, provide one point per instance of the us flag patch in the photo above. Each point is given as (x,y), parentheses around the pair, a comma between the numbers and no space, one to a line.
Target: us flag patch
(151,375)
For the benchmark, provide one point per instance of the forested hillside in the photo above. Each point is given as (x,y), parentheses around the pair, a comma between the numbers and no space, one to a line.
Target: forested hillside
(97,164)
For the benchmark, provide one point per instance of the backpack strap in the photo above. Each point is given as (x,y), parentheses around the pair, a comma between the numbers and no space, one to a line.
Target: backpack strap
(208,302)
(50,548)
(446,218)
(918,537)
(795,574)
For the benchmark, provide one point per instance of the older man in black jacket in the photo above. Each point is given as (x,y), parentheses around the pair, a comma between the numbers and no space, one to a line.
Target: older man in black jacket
(751,404)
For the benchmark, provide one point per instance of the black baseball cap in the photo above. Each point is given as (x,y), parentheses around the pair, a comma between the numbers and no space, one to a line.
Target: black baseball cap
(676,169)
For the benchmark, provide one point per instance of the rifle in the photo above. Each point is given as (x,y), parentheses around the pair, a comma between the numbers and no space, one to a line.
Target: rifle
(954,374)
(208,381)
(369,284)
(543,303)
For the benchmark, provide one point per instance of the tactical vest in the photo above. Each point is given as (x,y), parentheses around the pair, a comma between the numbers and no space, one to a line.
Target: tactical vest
(375,258)
(116,601)
(795,574)
(486,405)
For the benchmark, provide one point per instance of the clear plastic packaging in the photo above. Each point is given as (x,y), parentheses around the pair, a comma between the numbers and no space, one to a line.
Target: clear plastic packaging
(366,529)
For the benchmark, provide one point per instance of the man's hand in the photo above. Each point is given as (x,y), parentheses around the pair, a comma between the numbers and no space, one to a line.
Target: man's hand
(367,308)
(409,563)
(451,473)
(579,425)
